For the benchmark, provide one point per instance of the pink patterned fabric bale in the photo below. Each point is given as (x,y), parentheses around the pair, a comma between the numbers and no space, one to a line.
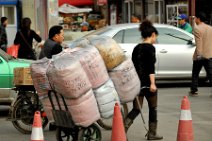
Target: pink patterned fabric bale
(110,51)
(39,77)
(68,77)
(92,63)
(126,81)
(94,66)
(85,112)
(47,107)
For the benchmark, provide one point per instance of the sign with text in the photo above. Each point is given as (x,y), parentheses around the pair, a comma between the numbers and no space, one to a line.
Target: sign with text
(101,2)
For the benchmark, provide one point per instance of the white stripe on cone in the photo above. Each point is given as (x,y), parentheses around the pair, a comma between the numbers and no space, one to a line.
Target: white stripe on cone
(37,134)
(185,115)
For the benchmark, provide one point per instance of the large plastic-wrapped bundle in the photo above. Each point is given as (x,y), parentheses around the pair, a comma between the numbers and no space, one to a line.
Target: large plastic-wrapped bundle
(126,81)
(84,110)
(81,42)
(67,76)
(38,73)
(106,97)
(93,65)
(110,51)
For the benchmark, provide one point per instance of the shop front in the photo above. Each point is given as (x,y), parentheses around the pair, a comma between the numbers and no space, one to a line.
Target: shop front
(9,9)
(173,9)
(189,7)
(76,2)
(72,17)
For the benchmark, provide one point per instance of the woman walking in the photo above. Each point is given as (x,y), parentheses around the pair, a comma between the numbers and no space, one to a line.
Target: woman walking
(24,38)
(144,59)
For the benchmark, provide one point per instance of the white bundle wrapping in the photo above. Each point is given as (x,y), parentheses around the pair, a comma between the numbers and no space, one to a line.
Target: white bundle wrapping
(110,51)
(126,81)
(81,42)
(38,72)
(106,97)
(84,110)
(93,65)
(68,77)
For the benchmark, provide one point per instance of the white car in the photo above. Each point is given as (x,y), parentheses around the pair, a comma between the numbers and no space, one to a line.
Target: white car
(174,48)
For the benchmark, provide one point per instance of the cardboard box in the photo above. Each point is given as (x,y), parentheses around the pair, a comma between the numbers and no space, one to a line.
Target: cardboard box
(22,76)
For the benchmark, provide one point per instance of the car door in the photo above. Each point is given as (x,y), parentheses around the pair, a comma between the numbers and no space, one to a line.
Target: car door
(174,53)
(4,78)
(128,39)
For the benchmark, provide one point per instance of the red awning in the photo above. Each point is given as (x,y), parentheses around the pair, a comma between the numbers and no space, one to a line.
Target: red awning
(76,2)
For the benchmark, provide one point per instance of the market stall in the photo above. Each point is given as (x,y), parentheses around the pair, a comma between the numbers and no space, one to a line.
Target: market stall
(72,17)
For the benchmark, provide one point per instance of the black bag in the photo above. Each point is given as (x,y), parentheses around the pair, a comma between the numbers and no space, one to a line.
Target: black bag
(32,55)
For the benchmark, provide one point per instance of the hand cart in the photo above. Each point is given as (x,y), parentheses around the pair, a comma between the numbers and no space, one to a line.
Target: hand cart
(66,130)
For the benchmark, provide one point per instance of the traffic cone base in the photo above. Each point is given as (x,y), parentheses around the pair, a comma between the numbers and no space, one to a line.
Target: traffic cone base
(37,130)
(185,129)
(118,131)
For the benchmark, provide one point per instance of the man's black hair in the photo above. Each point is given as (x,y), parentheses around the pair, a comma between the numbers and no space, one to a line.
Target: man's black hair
(201,16)
(3,19)
(54,30)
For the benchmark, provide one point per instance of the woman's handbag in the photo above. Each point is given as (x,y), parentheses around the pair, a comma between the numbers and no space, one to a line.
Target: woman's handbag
(13,50)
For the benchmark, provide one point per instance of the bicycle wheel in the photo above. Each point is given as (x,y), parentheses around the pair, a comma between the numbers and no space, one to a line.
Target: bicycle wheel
(23,115)
(91,133)
(107,123)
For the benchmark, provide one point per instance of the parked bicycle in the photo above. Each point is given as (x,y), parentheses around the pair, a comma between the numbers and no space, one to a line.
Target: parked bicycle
(24,107)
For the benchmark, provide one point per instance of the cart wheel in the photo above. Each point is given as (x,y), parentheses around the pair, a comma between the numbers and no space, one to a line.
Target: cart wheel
(66,134)
(91,133)
(52,126)
(107,123)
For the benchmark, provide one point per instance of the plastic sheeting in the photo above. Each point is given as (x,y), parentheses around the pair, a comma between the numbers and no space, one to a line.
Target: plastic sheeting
(126,81)
(106,97)
(84,110)
(67,77)
(68,9)
(38,72)
(110,51)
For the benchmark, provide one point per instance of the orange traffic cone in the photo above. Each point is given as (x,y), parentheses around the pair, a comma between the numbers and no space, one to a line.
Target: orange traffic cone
(118,132)
(37,130)
(185,129)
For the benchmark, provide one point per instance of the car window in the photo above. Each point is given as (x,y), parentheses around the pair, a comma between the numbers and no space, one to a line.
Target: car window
(98,32)
(172,36)
(128,36)
(132,36)
(119,36)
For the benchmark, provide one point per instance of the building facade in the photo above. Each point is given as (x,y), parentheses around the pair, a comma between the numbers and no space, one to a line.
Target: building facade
(44,13)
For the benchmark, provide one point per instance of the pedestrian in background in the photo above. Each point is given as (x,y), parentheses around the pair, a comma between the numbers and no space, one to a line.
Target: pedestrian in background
(203,53)
(144,59)
(134,19)
(183,24)
(24,38)
(52,45)
(3,34)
